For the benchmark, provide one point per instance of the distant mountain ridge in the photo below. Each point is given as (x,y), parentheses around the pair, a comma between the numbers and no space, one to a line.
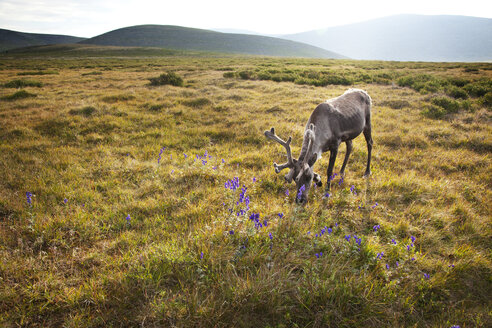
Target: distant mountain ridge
(184,38)
(13,39)
(408,38)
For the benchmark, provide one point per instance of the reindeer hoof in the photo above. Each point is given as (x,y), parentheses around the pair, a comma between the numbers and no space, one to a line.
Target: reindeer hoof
(367,174)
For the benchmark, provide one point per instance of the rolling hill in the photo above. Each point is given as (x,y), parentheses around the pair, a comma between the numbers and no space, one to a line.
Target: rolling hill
(13,39)
(183,38)
(408,38)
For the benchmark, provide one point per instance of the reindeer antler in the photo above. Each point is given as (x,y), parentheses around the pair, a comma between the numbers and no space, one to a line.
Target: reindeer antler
(270,134)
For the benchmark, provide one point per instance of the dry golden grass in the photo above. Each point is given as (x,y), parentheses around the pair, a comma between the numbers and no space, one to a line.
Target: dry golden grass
(87,148)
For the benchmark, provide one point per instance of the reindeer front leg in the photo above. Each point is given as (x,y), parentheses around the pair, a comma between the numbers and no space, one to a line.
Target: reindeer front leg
(331,165)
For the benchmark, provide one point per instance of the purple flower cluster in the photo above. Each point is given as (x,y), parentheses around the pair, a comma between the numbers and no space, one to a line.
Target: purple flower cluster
(232,184)
(301,190)
(374,206)
(29,198)
(160,154)
(352,190)
(379,256)
(318,255)
(255,217)
(358,240)
(128,218)
(376,227)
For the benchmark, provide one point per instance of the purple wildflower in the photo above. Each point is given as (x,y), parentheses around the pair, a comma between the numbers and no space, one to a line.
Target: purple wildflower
(231,232)
(201,255)
(280,215)
(413,239)
(270,236)
(301,190)
(160,154)
(286,192)
(352,190)
(65,200)
(223,161)
(393,241)
(374,206)
(128,218)
(347,238)
(327,195)
(376,227)
(426,276)
(387,266)
(29,198)
(380,255)
(329,230)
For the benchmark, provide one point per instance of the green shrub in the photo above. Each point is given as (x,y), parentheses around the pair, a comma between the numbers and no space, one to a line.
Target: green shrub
(245,75)
(22,83)
(478,89)
(456,92)
(170,78)
(229,75)
(19,95)
(449,105)
(487,99)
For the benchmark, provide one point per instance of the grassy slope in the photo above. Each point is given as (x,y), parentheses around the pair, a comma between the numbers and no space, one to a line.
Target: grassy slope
(92,135)
(183,38)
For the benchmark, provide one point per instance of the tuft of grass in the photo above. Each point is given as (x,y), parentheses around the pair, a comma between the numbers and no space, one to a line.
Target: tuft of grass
(38,73)
(116,98)
(197,102)
(22,84)
(170,78)
(22,94)
(85,111)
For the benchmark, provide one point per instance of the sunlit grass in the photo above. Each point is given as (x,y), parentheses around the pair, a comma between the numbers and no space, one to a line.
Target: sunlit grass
(130,221)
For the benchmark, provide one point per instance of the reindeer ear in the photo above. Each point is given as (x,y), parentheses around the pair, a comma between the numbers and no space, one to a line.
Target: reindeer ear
(313,159)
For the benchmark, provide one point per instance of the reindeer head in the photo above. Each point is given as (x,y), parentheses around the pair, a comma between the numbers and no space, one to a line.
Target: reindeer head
(301,170)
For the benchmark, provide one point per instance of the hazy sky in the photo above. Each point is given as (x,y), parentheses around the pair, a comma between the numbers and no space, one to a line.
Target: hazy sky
(89,18)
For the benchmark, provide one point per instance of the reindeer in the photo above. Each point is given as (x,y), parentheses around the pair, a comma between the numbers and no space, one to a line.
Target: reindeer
(337,120)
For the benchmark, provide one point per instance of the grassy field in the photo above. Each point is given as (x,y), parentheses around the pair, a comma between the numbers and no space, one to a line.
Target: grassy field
(125,204)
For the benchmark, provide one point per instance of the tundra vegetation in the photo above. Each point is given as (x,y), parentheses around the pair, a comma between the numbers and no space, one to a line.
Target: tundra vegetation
(126,204)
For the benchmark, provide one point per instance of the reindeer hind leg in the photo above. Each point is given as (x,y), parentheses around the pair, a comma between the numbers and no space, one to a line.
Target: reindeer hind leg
(368,136)
(347,154)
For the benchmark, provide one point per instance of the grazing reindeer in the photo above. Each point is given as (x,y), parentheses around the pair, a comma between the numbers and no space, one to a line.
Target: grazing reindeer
(337,120)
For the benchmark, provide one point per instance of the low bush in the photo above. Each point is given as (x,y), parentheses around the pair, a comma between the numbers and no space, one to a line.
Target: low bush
(170,78)
(457,92)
